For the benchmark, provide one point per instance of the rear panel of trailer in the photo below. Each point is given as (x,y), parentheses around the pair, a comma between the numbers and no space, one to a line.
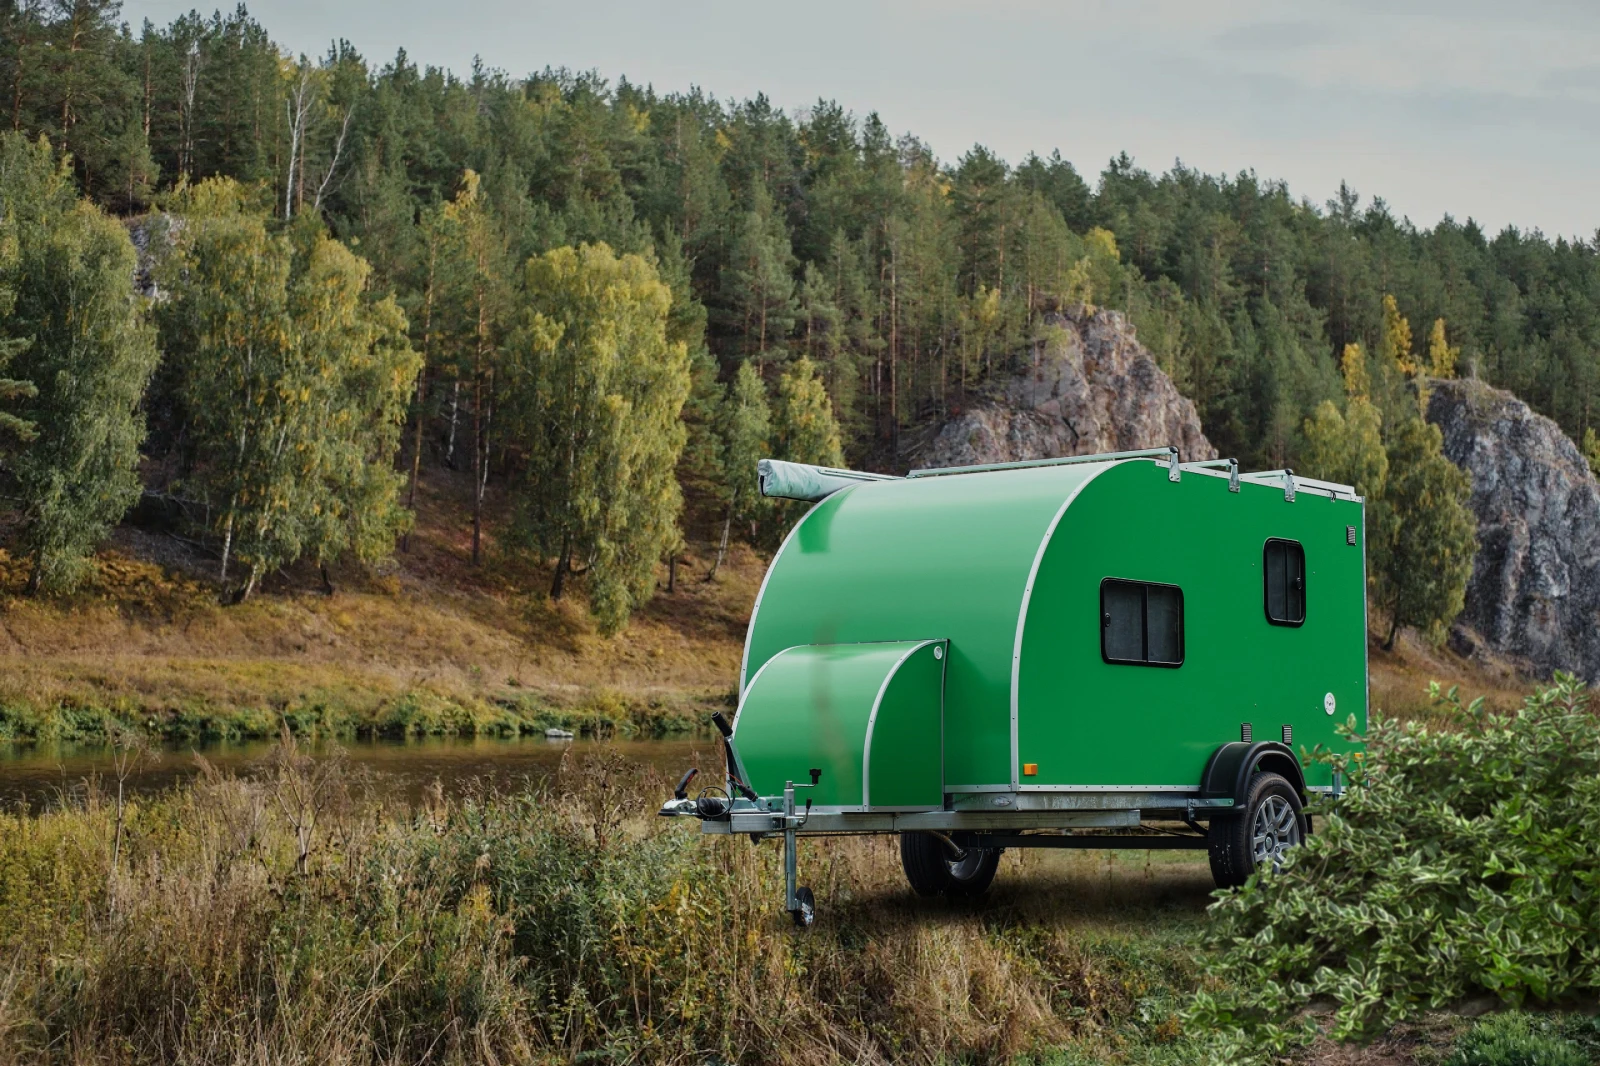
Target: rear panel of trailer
(1084,723)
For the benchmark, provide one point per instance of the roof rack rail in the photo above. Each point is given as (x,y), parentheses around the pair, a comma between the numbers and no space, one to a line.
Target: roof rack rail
(1230,465)
(1292,482)
(1169,453)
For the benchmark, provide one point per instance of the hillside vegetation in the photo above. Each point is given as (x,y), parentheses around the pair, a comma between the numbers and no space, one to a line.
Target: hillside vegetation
(423,644)
(604,303)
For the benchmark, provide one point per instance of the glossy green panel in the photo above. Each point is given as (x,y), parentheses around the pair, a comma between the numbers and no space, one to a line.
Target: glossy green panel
(810,706)
(905,743)
(944,557)
(1088,722)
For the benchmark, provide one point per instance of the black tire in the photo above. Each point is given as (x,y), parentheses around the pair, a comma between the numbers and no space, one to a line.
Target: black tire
(931,871)
(1269,821)
(805,912)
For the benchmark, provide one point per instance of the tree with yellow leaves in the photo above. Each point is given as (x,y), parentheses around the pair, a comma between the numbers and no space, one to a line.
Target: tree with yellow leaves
(595,394)
(1442,358)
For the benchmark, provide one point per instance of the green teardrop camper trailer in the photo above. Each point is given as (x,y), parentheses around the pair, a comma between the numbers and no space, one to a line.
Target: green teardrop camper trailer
(1005,656)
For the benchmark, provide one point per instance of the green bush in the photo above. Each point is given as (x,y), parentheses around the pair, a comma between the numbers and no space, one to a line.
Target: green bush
(1516,1039)
(1465,858)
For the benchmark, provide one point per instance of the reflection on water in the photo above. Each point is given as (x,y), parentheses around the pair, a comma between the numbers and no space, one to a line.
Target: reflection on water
(402,768)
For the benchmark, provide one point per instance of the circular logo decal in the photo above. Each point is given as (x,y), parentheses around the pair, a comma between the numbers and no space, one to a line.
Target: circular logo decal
(1328,703)
(938,651)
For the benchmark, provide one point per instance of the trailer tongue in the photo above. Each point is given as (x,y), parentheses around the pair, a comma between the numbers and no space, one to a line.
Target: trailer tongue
(1052,654)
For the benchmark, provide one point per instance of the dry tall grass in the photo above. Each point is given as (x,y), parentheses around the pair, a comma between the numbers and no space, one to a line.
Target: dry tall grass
(288,918)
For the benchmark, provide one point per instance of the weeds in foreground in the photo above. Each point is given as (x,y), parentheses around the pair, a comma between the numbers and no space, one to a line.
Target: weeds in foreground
(288,917)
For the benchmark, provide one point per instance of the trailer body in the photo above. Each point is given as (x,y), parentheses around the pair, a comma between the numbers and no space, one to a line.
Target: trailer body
(1008,571)
(1004,656)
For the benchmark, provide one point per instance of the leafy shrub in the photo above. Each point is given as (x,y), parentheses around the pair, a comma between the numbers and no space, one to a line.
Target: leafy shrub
(1464,858)
(1516,1039)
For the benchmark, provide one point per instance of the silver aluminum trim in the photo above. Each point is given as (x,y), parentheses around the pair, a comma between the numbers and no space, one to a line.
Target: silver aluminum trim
(1022,614)
(872,720)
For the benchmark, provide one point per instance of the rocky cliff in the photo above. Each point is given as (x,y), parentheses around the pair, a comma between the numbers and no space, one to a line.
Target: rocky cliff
(1093,388)
(1535,590)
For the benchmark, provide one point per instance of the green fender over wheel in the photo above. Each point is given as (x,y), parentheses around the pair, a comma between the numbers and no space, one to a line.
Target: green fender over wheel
(869,716)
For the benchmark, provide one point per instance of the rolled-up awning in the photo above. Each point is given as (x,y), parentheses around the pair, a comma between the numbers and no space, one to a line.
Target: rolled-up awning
(802,481)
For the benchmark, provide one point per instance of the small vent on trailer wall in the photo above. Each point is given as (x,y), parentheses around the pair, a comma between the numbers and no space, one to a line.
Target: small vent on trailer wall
(1350,535)
(1244,732)
(1288,734)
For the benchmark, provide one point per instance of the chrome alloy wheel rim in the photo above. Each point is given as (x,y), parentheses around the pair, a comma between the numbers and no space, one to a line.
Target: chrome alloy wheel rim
(1276,829)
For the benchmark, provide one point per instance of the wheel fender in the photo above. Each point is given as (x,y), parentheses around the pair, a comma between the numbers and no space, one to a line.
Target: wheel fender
(1229,769)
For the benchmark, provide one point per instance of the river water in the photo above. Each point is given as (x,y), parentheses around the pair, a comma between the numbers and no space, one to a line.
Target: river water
(42,775)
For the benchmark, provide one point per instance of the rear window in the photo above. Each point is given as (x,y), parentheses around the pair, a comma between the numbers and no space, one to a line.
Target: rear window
(1141,623)
(1284,577)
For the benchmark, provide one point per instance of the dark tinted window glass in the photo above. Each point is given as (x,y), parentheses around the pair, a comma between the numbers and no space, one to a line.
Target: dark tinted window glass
(1284,572)
(1163,624)
(1123,606)
(1141,623)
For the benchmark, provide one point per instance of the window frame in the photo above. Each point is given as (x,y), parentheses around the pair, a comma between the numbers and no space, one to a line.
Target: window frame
(1305,584)
(1144,623)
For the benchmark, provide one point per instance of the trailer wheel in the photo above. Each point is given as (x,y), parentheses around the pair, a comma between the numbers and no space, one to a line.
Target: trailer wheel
(932,872)
(1269,821)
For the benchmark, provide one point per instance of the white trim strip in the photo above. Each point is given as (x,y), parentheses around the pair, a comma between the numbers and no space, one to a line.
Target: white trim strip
(745,692)
(872,720)
(750,630)
(1022,615)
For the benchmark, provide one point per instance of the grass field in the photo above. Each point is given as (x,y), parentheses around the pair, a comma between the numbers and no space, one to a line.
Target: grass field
(292,918)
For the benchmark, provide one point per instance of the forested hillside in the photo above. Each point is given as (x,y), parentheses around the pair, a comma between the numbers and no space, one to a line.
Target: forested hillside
(804,282)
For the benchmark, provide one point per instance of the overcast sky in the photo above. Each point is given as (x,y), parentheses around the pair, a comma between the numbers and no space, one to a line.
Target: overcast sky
(1479,108)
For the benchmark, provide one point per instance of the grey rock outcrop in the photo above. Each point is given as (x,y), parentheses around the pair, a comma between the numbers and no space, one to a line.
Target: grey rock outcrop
(1093,388)
(1534,596)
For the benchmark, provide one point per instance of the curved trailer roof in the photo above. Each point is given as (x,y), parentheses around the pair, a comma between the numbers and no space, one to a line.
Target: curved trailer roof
(922,558)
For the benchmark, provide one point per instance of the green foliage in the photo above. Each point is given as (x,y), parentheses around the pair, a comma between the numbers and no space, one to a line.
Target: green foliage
(595,393)
(76,333)
(1422,572)
(1591,451)
(293,379)
(803,427)
(1516,1039)
(1463,859)
(744,425)
(1421,534)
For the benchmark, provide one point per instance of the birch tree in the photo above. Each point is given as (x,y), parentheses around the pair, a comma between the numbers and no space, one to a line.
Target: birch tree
(294,381)
(596,393)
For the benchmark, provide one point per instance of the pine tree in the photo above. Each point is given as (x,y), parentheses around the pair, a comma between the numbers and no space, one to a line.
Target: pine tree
(76,332)
(14,430)
(744,428)
(803,427)
(758,282)
(596,390)
(1422,578)
(467,299)
(1591,451)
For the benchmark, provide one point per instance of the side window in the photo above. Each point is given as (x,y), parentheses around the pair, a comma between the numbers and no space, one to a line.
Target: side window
(1141,623)
(1283,575)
